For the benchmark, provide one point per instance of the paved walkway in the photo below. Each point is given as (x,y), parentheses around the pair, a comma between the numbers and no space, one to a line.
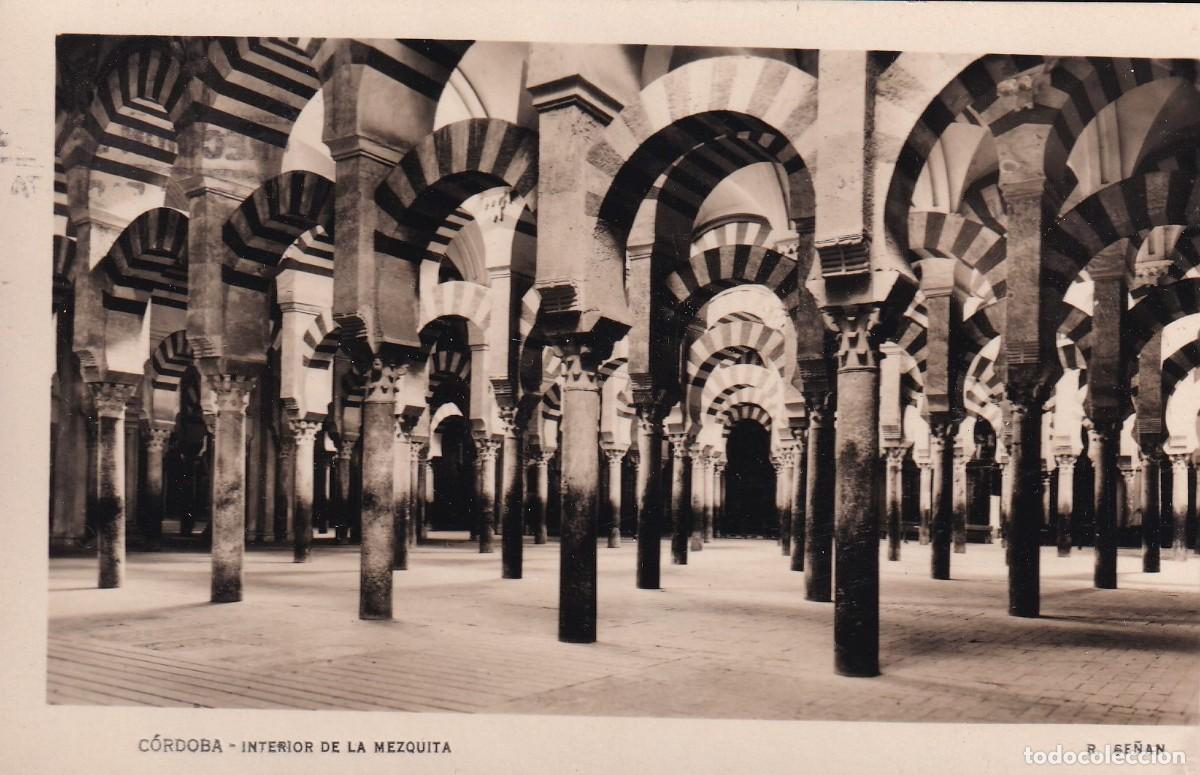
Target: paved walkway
(730,636)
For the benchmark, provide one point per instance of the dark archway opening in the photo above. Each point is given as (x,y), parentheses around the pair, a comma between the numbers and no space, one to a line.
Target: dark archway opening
(750,483)
(454,478)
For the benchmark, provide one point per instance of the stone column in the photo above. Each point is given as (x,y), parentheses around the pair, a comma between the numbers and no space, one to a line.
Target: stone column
(895,498)
(1179,505)
(416,497)
(961,502)
(696,498)
(1025,517)
(679,517)
(539,492)
(1006,500)
(709,496)
(1151,513)
(856,531)
(485,488)
(925,501)
(799,500)
(1105,437)
(303,435)
(1048,515)
(1066,488)
(285,511)
(378,497)
(818,516)
(401,496)
(132,468)
(345,502)
(156,442)
(232,394)
(428,491)
(109,504)
(942,430)
(613,458)
(512,517)
(650,500)
(787,489)
(580,477)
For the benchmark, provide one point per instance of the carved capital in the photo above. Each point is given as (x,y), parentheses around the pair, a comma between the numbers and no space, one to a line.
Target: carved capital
(1179,463)
(612,456)
(508,420)
(304,432)
(111,397)
(485,449)
(346,448)
(230,392)
(382,381)
(821,407)
(679,446)
(157,438)
(1065,462)
(858,329)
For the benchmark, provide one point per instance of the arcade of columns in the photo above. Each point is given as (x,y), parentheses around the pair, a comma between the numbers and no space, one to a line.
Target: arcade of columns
(387,280)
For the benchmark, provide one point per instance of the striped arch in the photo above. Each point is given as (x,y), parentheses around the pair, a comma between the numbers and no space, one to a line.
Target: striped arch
(978,249)
(441,172)
(707,274)
(552,403)
(1121,210)
(437,417)
(702,99)
(266,224)
(460,299)
(1159,308)
(150,255)
(739,230)
(732,396)
(169,362)
(1179,365)
(320,342)
(974,86)
(259,85)
(733,337)
(745,411)
(731,378)
(133,119)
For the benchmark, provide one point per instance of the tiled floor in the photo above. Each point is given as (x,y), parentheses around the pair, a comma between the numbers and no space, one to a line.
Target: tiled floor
(730,636)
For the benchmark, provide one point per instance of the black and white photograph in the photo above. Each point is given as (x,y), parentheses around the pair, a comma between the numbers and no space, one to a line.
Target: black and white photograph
(752,382)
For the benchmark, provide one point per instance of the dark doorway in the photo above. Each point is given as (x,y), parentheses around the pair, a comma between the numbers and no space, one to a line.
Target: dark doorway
(750,483)
(454,478)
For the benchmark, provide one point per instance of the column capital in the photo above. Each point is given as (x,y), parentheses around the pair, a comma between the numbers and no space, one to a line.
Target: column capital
(1065,461)
(485,448)
(231,392)
(895,453)
(613,454)
(581,362)
(858,330)
(1180,461)
(382,381)
(508,421)
(111,397)
(304,431)
(346,448)
(157,437)
(679,446)
(820,406)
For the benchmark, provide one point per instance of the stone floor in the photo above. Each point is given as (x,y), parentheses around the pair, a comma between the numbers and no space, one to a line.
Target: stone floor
(730,636)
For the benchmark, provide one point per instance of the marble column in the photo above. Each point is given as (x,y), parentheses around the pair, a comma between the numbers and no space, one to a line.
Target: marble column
(303,435)
(416,498)
(1025,511)
(786,476)
(580,479)
(285,510)
(232,394)
(539,493)
(895,498)
(345,501)
(942,430)
(961,501)
(1151,509)
(1066,506)
(613,458)
(1179,505)
(1106,439)
(401,497)
(719,513)
(679,517)
(378,498)
(925,501)
(650,500)
(485,488)
(156,442)
(710,498)
(696,498)
(132,471)
(512,516)
(799,501)
(1006,500)
(819,496)
(856,528)
(428,491)
(109,503)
